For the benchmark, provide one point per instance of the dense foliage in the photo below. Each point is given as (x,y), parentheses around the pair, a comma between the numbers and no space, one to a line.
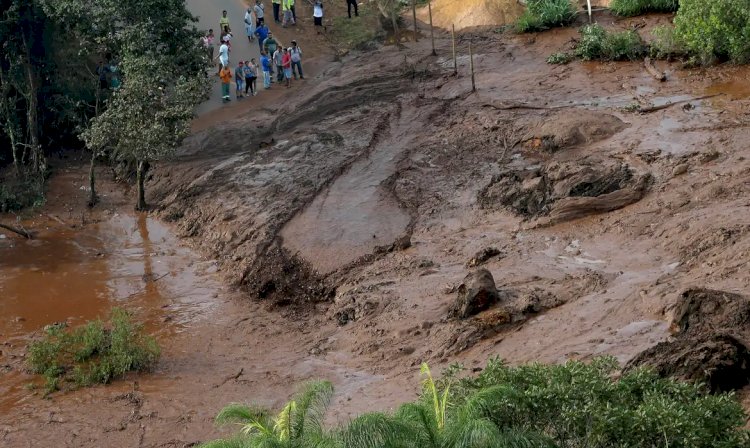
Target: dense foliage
(50,91)
(636,7)
(545,14)
(92,353)
(716,29)
(570,405)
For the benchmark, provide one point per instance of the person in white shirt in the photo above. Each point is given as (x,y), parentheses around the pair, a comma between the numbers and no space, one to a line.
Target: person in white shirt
(318,14)
(223,55)
(296,53)
(259,13)
(250,24)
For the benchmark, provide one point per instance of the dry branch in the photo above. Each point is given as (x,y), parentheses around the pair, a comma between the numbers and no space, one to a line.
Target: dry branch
(653,71)
(17,230)
(648,110)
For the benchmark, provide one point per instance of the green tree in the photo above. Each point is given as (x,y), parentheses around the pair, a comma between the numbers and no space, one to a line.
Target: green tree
(298,424)
(149,116)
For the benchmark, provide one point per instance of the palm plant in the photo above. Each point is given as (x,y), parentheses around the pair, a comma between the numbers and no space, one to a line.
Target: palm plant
(298,424)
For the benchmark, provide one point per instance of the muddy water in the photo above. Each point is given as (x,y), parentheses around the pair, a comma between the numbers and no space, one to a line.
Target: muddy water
(353,216)
(67,275)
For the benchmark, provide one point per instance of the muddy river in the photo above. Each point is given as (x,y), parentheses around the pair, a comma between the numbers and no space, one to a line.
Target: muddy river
(68,275)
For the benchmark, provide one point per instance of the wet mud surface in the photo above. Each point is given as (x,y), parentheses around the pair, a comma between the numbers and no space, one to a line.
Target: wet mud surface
(349,216)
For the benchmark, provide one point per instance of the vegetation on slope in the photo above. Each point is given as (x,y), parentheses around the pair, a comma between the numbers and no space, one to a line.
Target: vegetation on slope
(570,405)
(629,8)
(545,14)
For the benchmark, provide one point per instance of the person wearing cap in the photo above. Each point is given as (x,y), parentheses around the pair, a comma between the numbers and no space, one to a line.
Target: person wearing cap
(296,54)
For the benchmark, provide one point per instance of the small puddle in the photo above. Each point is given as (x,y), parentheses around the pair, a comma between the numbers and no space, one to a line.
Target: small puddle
(67,275)
(736,89)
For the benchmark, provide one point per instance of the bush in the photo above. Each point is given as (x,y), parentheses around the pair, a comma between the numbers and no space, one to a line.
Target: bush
(598,44)
(665,44)
(570,405)
(629,8)
(559,58)
(92,353)
(716,29)
(541,15)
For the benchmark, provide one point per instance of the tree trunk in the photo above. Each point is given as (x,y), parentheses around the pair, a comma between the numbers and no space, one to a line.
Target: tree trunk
(38,164)
(141,179)
(93,199)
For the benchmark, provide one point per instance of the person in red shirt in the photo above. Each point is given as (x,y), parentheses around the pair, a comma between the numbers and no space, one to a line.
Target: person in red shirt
(286,63)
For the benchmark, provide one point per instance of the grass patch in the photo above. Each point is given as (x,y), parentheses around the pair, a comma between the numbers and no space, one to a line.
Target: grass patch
(599,44)
(532,406)
(18,193)
(92,353)
(542,15)
(628,8)
(665,44)
(356,33)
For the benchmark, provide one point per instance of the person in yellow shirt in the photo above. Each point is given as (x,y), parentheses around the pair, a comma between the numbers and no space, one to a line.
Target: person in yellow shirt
(276,8)
(287,6)
(226,78)
(224,21)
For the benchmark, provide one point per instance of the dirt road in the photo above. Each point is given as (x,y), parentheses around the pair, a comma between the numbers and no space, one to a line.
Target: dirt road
(209,12)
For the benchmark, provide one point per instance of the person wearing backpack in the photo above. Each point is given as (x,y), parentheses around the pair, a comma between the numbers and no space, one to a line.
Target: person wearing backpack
(296,53)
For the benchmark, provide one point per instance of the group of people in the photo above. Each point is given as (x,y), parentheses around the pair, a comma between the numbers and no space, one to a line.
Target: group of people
(276,60)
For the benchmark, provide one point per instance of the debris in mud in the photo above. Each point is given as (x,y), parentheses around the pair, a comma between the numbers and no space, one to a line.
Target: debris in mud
(285,279)
(565,191)
(563,130)
(710,345)
(483,256)
(477,293)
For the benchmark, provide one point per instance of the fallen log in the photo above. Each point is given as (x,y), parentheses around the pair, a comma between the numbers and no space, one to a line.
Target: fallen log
(16,230)
(653,71)
(647,110)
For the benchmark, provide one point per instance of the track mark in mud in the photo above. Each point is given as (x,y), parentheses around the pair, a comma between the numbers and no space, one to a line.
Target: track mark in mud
(356,213)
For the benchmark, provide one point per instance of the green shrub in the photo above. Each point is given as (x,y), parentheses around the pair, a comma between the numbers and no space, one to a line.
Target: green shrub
(665,44)
(92,353)
(559,58)
(598,44)
(716,29)
(629,8)
(541,15)
(532,406)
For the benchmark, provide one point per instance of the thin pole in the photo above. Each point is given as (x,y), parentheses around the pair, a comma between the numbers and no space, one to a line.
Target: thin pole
(453,39)
(432,31)
(471,65)
(414,17)
(588,3)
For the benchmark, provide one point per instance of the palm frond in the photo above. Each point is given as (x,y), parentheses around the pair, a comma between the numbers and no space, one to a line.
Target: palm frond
(526,439)
(252,419)
(420,416)
(473,433)
(378,430)
(283,422)
(234,442)
(311,405)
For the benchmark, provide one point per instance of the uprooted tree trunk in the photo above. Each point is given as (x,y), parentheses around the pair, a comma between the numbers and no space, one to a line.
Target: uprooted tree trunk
(16,230)
(141,180)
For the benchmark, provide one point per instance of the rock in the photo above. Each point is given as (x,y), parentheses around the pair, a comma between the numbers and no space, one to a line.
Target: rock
(680,169)
(483,255)
(477,293)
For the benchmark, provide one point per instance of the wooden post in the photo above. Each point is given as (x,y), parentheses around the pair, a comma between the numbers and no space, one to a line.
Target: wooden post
(432,31)
(414,17)
(471,65)
(453,38)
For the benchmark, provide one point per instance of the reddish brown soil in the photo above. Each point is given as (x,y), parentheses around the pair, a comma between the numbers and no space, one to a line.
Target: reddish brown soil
(394,130)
